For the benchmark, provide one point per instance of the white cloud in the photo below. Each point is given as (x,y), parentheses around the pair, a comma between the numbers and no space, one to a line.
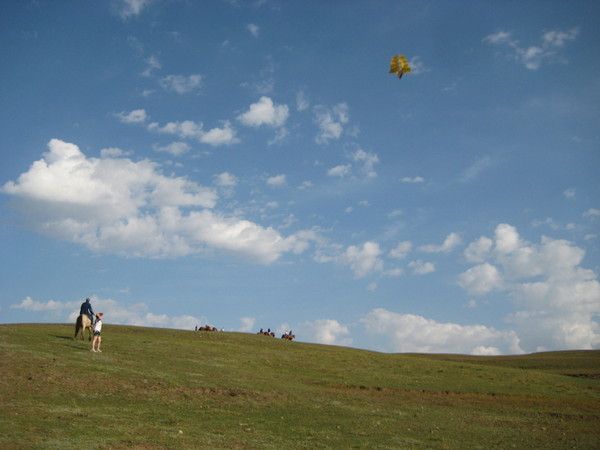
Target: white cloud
(367,160)
(181,84)
(302,102)
(331,122)
(253,29)
(450,243)
(569,193)
(478,250)
(394,273)
(225,135)
(557,300)
(113,152)
(500,37)
(363,260)
(28,304)
(413,333)
(225,179)
(152,64)
(480,279)
(174,148)
(591,213)
(341,170)
(328,331)
(265,112)
(135,116)
(185,130)
(247,324)
(192,130)
(130,208)
(533,57)
(412,180)
(277,180)
(401,250)
(476,168)
(115,312)
(421,268)
(129,8)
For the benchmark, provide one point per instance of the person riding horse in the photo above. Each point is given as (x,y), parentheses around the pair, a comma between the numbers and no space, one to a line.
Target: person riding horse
(86,308)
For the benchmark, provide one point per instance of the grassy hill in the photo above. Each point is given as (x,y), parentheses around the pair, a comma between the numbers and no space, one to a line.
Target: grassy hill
(157,388)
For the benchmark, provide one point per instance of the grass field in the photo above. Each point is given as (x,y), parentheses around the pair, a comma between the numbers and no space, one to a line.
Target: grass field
(157,388)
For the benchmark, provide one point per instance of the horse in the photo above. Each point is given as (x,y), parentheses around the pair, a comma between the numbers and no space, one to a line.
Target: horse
(207,328)
(82,323)
(288,336)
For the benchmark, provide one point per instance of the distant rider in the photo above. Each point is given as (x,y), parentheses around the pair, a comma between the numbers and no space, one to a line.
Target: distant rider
(86,308)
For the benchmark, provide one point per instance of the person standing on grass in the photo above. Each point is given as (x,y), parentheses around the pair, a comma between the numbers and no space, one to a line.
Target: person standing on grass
(97,333)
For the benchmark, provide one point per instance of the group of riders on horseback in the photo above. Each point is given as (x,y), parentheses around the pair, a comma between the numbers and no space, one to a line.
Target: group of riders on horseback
(289,336)
(86,312)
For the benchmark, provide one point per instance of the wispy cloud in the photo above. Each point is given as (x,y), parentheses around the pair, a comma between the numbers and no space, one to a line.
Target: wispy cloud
(534,56)
(331,122)
(132,8)
(181,84)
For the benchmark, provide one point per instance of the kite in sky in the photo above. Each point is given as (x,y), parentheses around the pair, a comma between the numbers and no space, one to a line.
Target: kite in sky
(399,65)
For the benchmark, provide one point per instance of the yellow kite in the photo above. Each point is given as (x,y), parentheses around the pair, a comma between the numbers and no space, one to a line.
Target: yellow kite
(399,65)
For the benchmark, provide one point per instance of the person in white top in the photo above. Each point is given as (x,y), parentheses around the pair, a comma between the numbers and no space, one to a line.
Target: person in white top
(97,333)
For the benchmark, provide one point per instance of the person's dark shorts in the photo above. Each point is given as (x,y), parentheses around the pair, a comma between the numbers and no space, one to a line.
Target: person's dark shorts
(96,333)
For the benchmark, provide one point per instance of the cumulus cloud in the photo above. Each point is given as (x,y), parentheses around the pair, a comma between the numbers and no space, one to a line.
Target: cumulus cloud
(181,84)
(226,135)
(421,267)
(533,57)
(367,162)
(115,312)
(477,251)
(592,213)
(225,179)
(480,279)
(450,243)
(341,170)
(363,259)
(174,148)
(265,112)
(135,116)
(413,333)
(277,180)
(412,180)
(331,122)
(328,331)
(130,208)
(557,300)
(401,250)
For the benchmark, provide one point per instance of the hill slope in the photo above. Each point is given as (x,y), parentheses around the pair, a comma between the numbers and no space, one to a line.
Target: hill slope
(156,388)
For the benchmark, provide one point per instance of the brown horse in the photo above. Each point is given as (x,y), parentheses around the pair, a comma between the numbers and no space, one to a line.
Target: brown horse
(83,323)
(288,336)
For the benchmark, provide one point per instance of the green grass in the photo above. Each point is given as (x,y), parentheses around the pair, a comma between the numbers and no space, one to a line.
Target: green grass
(156,388)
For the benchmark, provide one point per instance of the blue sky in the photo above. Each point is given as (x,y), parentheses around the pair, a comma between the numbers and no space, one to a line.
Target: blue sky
(253,164)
